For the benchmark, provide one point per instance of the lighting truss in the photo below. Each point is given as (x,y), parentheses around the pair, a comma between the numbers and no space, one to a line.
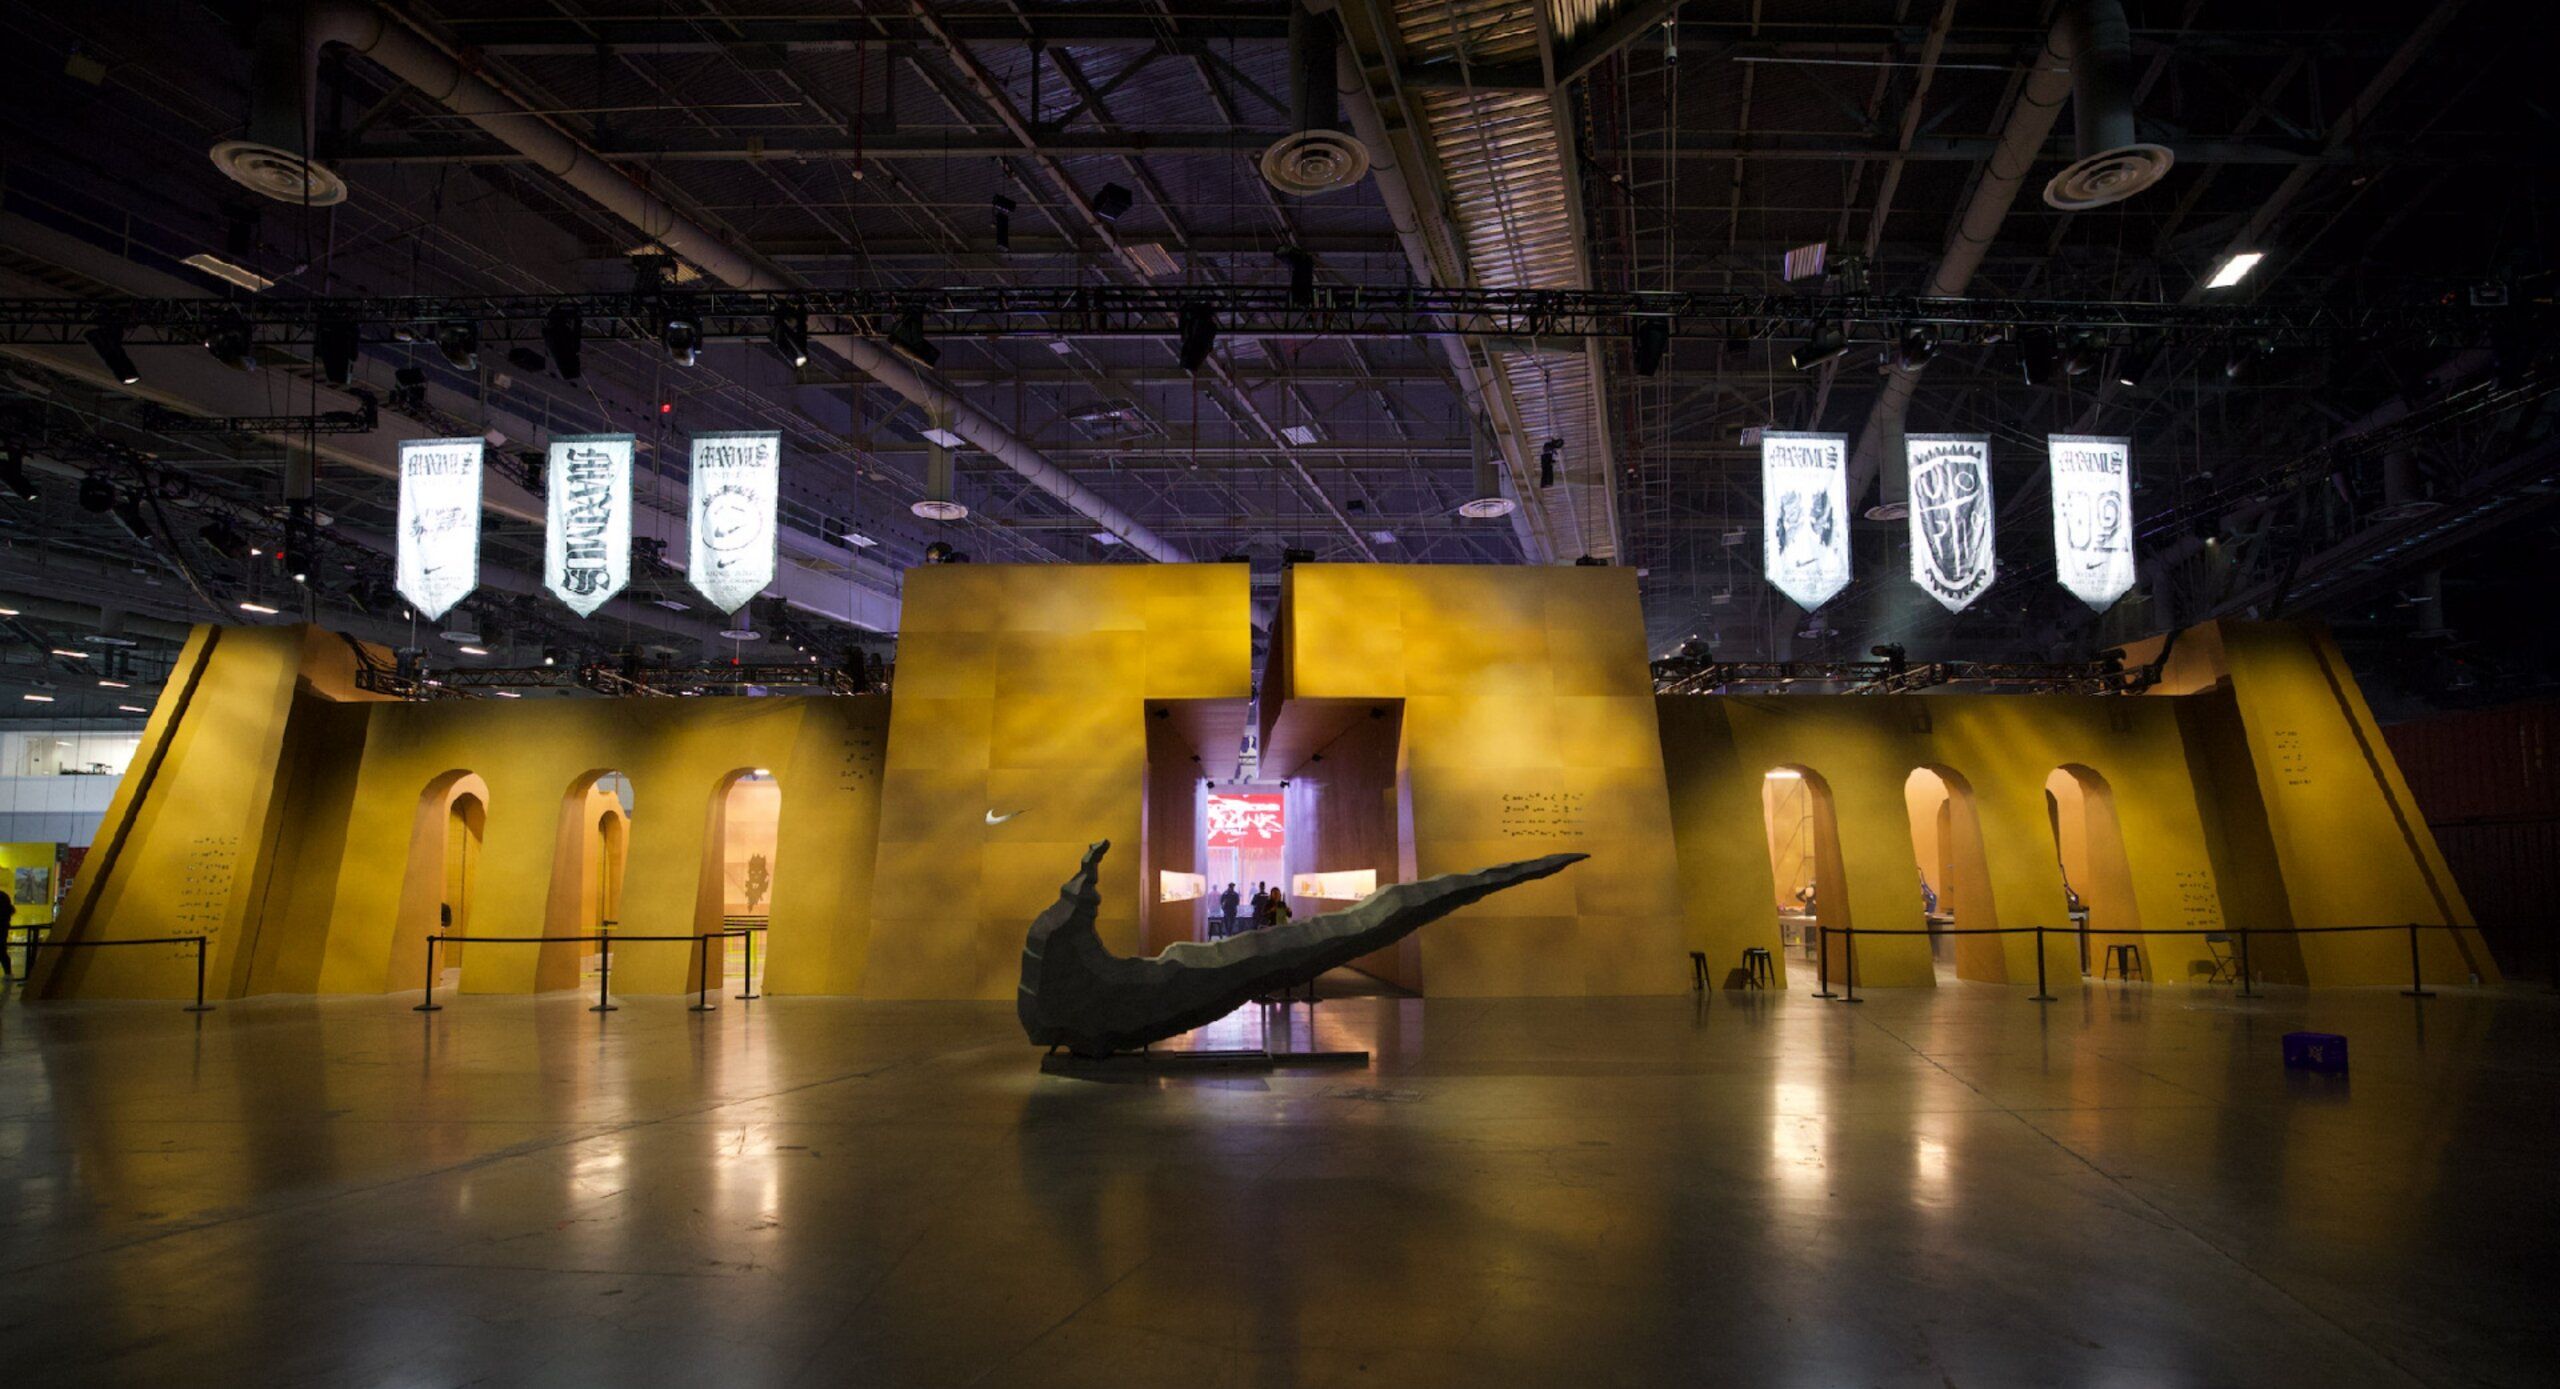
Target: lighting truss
(2100,677)
(1273,311)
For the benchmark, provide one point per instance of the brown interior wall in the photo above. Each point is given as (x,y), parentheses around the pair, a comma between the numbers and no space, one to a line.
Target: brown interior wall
(1172,834)
(1343,819)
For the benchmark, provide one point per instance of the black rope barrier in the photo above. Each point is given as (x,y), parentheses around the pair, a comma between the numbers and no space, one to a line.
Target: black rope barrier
(603,941)
(2043,994)
(34,942)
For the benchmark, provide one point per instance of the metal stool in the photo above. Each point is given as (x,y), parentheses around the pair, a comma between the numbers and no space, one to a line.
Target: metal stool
(2125,960)
(1758,970)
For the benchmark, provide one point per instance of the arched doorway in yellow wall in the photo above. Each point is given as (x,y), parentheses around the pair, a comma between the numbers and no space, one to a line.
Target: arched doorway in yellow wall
(590,851)
(2098,883)
(740,868)
(1805,865)
(1954,879)
(439,890)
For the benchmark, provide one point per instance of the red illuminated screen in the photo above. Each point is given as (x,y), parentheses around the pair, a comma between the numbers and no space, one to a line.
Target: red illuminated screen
(1245,821)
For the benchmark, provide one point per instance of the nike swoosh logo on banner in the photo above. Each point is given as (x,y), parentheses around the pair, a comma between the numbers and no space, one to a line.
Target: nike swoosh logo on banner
(995,819)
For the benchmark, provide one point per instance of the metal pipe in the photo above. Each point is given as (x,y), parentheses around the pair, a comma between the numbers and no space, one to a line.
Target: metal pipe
(371,30)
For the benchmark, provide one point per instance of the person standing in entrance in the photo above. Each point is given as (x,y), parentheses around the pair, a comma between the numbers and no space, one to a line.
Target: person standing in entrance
(1261,896)
(1227,911)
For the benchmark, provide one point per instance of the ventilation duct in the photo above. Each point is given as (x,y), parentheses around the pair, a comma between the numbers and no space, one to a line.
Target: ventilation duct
(272,156)
(1320,156)
(2111,165)
(940,501)
(1485,499)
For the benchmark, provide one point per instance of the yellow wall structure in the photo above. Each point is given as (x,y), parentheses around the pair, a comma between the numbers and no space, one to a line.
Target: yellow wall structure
(1022,692)
(1528,729)
(308,830)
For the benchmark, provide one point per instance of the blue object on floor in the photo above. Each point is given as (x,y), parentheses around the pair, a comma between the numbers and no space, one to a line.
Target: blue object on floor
(2315,1051)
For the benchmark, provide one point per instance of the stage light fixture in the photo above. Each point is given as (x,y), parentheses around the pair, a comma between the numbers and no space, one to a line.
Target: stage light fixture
(1302,276)
(564,337)
(2038,355)
(97,493)
(1547,455)
(232,341)
(681,336)
(128,511)
(2247,356)
(907,335)
(460,344)
(1112,201)
(13,474)
(2134,364)
(224,539)
(790,336)
(334,344)
(1823,346)
(1199,335)
(2081,354)
(1651,342)
(409,388)
(2235,269)
(1915,347)
(107,340)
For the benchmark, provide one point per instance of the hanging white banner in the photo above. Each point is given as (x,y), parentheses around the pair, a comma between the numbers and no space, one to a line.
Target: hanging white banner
(439,539)
(2092,516)
(1951,543)
(737,489)
(1804,514)
(587,535)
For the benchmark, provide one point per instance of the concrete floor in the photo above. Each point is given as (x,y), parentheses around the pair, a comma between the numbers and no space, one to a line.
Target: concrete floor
(1936,1187)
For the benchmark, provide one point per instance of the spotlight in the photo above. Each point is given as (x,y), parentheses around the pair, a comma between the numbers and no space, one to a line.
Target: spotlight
(409,389)
(1821,347)
(1004,222)
(232,341)
(128,509)
(1302,276)
(1199,334)
(334,344)
(680,335)
(1651,341)
(2081,354)
(1547,454)
(2134,364)
(790,336)
(2037,356)
(107,340)
(907,335)
(13,474)
(460,344)
(1112,201)
(1915,346)
(2247,356)
(97,493)
(564,337)
(224,539)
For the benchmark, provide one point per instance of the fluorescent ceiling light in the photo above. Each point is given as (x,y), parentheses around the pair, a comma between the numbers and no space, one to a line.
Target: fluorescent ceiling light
(132,709)
(67,651)
(2232,269)
(221,269)
(939,435)
(506,694)
(671,605)
(37,698)
(1785,774)
(468,650)
(858,540)
(248,607)
(113,685)
(8,612)
(1105,538)
(1382,537)
(1299,434)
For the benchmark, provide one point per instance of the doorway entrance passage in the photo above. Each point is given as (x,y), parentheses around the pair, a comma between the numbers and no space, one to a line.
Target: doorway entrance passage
(1247,844)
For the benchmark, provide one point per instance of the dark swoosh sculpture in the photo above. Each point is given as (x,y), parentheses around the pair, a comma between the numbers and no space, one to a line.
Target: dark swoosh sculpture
(1078,995)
